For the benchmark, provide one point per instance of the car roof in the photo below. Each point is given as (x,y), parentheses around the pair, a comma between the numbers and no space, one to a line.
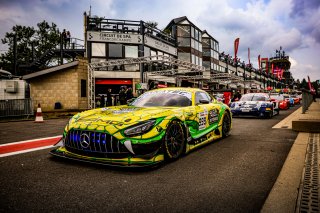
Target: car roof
(187,89)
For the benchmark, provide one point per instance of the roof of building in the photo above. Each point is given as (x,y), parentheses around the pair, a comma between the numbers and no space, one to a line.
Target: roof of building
(50,70)
(180,19)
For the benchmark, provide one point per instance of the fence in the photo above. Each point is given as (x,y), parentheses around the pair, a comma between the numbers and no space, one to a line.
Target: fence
(16,107)
(307,99)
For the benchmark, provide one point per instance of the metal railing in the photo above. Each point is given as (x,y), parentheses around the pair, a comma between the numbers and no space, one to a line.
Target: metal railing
(16,107)
(307,99)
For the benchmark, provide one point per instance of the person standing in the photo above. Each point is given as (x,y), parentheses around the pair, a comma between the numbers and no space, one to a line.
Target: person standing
(102,102)
(129,93)
(122,96)
(109,97)
(64,38)
(68,39)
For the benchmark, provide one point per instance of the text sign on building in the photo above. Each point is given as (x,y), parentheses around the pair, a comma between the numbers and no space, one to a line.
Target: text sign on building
(114,37)
(160,45)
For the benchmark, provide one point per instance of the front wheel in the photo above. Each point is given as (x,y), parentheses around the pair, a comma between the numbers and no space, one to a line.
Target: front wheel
(226,125)
(174,141)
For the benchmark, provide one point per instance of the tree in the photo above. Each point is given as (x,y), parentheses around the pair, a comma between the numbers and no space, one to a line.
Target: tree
(152,24)
(31,44)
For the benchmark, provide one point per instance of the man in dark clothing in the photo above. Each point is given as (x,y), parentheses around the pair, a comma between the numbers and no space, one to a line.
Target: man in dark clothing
(122,96)
(129,93)
(102,102)
(109,97)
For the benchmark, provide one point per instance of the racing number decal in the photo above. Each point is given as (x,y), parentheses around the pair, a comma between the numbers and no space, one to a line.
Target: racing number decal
(213,116)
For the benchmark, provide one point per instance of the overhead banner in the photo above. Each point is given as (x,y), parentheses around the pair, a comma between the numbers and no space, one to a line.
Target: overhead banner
(148,41)
(114,37)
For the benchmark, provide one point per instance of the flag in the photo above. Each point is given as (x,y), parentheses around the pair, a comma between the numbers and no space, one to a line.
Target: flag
(236,46)
(249,55)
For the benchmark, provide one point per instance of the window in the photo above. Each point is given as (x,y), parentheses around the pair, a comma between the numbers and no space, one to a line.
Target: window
(183,42)
(115,51)
(193,59)
(206,64)
(196,35)
(131,51)
(83,88)
(147,51)
(206,52)
(98,49)
(192,32)
(202,96)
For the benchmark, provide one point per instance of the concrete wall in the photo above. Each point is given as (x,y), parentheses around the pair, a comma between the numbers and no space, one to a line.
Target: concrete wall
(62,86)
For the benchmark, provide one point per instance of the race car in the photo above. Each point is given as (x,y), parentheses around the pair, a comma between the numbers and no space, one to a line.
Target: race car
(289,99)
(282,103)
(255,104)
(160,125)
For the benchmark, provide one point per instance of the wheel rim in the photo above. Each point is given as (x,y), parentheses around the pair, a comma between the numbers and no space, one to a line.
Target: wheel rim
(174,140)
(226,125)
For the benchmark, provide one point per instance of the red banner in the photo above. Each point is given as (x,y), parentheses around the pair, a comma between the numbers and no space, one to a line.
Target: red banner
(259,62)
(249,55)
(236,46)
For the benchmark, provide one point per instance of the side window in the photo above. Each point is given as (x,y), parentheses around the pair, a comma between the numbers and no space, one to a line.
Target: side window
(201,96)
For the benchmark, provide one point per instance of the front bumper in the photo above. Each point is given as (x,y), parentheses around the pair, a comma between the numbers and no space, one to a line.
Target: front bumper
(120,162)
(262,112)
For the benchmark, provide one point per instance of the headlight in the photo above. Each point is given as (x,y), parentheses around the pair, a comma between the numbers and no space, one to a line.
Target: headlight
(140,128)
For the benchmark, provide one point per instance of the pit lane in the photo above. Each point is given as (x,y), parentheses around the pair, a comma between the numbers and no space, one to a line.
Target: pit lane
(231,175)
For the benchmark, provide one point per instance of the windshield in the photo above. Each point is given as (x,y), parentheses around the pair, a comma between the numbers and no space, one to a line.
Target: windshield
(173,98)
(253,97)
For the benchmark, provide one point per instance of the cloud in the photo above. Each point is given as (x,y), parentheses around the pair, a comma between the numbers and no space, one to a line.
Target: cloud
(261,25)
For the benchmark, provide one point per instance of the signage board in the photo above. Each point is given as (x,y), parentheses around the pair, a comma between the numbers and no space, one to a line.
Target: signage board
(114,37)
(151,42)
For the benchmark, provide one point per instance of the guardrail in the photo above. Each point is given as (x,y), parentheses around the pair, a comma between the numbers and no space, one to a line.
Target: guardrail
(307,99)
(16,107)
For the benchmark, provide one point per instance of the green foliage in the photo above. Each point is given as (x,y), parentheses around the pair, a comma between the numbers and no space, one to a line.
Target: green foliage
(45,37)
(152,24)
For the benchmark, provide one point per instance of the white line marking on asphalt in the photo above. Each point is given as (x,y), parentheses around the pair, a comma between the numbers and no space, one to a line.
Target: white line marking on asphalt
(30,141)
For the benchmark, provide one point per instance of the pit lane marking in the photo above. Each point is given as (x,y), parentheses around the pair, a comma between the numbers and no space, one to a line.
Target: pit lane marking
(27,146)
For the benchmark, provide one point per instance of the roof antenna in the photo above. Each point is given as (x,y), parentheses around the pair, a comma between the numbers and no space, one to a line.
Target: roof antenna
(90,9)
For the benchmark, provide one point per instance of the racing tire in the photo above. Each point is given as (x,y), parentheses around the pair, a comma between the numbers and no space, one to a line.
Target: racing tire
(174,141)
(226,125)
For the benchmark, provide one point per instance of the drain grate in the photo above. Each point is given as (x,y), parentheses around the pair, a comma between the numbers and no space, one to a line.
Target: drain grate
(308,200)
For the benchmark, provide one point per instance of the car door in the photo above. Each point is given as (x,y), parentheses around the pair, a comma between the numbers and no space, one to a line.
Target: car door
(206,113)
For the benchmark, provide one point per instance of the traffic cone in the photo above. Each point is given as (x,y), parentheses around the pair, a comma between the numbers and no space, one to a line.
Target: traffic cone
(39,117)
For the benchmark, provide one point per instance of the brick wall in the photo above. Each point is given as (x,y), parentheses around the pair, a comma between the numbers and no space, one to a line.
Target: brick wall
(62,86)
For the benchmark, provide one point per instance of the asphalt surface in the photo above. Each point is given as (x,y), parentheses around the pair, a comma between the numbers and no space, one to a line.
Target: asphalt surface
(235,174)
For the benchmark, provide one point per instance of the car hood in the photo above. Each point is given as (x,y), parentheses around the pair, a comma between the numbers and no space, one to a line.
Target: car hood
(116,118)
(239,103)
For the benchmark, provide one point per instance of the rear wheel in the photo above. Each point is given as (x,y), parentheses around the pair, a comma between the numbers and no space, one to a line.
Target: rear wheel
(226,125)
(174,140)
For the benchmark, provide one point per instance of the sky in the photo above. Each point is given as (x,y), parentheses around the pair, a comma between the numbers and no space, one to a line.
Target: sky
(262,25)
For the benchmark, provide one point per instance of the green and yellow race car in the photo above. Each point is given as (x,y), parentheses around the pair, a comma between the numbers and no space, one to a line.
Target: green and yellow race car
(159,125)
